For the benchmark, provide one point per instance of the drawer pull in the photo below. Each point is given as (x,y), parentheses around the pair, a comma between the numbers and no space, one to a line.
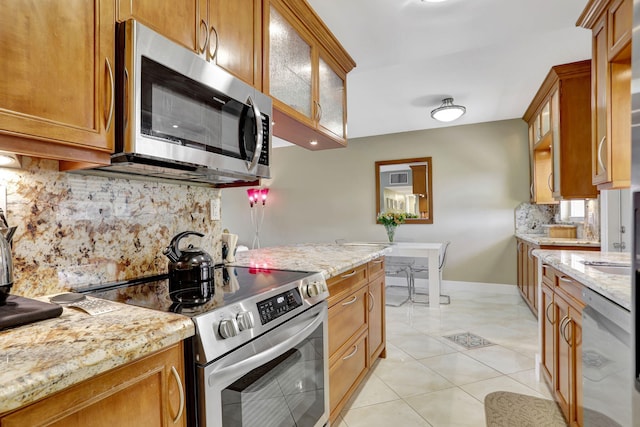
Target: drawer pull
(354,299)
(353,273)
(565,279)
(353,353)
(378,261)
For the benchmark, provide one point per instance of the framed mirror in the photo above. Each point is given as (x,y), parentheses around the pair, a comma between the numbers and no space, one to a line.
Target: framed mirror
(405,185)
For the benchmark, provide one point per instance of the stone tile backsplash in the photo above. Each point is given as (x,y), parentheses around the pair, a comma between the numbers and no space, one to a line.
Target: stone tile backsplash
(76,230)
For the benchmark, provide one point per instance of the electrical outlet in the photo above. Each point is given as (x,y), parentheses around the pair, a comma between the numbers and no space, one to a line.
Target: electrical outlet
(215,209)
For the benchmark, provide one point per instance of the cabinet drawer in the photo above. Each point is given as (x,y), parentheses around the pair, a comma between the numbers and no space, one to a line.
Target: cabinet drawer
(347,318)
(569,286)
(548,275)
(345,283)
(375,267)
(346,372)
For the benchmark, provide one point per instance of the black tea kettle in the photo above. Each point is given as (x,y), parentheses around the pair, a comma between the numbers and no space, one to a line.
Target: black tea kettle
(190,272)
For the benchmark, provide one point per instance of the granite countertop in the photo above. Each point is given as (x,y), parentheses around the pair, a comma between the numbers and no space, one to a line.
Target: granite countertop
(328,259)
(616,287)
(42,358)
(544,240)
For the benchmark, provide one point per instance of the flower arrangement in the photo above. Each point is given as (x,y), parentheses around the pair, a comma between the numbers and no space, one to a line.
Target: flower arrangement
(391,220)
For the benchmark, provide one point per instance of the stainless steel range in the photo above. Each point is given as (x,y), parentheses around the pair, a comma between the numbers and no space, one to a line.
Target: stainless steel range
(260,353)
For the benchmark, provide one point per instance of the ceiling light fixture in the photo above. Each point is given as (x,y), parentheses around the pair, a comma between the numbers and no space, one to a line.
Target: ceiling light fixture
(448,112)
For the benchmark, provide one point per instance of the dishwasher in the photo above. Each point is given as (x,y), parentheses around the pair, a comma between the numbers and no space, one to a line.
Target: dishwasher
(606,362)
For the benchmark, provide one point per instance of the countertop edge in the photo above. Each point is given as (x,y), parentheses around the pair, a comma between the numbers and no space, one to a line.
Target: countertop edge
(92,358)
(613,287)
(544,240)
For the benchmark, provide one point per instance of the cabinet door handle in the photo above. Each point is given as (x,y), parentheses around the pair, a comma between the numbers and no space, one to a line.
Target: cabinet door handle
(530,253)
(531,190)
(176,375)
(113,95)
(215,50)
(519,246)
(353,353)
(600,145)
(549,181)
(546,312)
(372,301)
(565,279)
(353,273)
(319,111)
(564,332)
(126,97)
(203,31)
(561,328)
(354,299)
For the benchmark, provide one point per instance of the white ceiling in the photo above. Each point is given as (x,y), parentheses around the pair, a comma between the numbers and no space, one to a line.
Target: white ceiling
(489,55)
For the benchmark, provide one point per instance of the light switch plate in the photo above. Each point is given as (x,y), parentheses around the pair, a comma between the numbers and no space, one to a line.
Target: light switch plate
(215,209)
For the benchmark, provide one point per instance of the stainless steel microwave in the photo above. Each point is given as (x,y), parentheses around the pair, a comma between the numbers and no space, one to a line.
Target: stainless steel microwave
(181,117)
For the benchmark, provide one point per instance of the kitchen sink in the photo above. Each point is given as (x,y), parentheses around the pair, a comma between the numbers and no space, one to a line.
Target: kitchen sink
(610,267)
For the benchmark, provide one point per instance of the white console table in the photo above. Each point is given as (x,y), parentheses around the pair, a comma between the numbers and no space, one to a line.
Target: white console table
(423,250)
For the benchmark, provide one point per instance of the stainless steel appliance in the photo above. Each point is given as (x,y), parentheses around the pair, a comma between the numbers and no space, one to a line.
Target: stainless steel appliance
(181,117)
(260,353)
(635,191)
(606,358)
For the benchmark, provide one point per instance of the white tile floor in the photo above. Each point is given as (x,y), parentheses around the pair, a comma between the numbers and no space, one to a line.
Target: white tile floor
(427,380)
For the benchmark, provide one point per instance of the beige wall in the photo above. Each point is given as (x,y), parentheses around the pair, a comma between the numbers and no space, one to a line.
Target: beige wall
(480,174)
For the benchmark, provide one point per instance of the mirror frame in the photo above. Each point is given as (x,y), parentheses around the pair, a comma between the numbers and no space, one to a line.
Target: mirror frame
(426,160)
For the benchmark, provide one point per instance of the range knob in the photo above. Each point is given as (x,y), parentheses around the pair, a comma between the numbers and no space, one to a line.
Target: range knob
(245,320)
(228,328)
(312,289)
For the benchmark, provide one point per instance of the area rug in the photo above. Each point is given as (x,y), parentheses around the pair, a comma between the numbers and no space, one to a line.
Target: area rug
(468,340)
(506,409)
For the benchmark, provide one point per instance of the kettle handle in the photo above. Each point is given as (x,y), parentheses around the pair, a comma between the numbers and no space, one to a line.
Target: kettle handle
(172,251)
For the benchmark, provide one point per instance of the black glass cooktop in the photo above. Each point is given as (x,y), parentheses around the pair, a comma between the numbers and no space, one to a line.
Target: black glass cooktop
(231,285)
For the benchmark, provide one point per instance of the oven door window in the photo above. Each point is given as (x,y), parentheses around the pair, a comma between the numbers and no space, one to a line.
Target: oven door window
(287,391)
(185,112)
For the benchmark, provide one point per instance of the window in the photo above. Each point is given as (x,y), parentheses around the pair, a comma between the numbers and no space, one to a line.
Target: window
(572,210)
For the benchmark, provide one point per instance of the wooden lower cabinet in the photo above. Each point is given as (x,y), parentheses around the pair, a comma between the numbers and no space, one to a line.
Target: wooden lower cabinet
(356,329)
(527,277)
(147,392)
(561,363)
(376,321)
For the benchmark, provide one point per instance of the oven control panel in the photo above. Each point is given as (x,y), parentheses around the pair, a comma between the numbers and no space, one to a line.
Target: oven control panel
(279,305)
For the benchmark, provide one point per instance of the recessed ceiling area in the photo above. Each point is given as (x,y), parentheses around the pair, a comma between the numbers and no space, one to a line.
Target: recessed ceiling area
(489,55)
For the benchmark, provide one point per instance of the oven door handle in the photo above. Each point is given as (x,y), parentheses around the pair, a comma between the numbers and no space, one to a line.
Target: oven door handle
(225,373)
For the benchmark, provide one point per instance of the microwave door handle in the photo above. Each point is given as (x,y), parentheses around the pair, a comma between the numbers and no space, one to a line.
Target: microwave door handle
(259,139)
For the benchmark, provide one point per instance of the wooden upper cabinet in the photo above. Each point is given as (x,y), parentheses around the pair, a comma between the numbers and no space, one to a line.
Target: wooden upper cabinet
(57,85)
(176,19)
(305,70)
(610,22)
(235,37)
(560,123)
